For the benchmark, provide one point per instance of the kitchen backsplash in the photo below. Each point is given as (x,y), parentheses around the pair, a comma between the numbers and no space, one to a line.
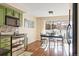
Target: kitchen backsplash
(8,29)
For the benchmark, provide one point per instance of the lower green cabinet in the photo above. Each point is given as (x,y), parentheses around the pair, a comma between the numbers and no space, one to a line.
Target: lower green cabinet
(9,54)
(4,39)
(5,45)
(5,42)
(8,47)
(2,45)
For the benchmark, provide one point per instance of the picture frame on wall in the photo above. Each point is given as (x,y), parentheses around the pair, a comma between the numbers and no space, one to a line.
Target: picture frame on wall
(28,23)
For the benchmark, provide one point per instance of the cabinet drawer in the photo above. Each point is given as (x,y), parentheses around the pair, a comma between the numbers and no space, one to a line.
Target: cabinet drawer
(9,54)
(6,44)
(2,45)
(5,39)
(8,47)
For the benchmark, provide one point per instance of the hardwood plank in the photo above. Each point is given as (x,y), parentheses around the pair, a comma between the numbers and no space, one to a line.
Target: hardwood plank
(35,47)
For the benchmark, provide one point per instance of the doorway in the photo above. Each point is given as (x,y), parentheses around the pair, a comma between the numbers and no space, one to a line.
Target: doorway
(75,11)
(71,44)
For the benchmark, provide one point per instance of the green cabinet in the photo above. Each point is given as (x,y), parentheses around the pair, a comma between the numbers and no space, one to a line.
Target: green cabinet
(5,42)
(9,12)
(2,15)
(21,19)
(16,14)
(13,13)
(6,11)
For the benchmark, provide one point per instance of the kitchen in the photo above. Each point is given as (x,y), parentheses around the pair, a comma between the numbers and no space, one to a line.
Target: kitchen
(10,21)
(19,28)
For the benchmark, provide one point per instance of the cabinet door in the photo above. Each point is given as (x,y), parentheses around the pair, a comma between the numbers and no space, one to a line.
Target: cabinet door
(16,14)
(2,15)
(5,41)
(9,12)
(5,45)
(21,19)
(8,47)
(2,45)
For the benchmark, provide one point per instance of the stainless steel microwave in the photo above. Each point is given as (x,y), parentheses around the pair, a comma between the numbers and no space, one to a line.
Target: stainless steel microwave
(12,21)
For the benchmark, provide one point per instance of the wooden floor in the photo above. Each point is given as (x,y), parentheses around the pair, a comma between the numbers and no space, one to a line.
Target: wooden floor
(35,47)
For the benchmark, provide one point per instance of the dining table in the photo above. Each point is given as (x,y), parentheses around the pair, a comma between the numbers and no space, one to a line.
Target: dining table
(50,37)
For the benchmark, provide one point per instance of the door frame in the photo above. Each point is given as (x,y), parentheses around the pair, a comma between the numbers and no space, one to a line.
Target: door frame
(74,23)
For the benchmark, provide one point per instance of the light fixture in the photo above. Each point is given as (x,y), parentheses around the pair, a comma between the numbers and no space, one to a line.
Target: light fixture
(50,12)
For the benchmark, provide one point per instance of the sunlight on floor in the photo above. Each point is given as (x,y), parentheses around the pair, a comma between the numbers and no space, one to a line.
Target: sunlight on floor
(58,49)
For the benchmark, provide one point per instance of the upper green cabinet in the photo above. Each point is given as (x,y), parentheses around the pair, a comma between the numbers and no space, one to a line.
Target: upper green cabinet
(13,13)
(7,11)
(16,14)
(21,18)
(2,15)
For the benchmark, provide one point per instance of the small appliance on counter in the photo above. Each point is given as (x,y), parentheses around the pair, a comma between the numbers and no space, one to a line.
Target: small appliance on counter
(12,21)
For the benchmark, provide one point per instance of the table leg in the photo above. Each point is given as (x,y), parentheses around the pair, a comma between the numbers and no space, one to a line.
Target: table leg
(57,47)
(49,47)
(54,46)
(62,47)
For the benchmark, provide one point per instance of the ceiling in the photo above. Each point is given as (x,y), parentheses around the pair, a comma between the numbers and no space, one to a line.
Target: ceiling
(41,9)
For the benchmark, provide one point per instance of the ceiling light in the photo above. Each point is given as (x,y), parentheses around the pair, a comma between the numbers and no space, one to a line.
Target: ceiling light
(50,12)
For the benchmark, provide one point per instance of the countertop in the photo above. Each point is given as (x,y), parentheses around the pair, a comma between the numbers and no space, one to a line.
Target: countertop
(11,34)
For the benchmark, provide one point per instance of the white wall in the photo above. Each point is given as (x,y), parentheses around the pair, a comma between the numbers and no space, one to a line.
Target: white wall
(31,32)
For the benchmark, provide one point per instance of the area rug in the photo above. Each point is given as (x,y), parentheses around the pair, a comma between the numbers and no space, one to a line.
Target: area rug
(26,53)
